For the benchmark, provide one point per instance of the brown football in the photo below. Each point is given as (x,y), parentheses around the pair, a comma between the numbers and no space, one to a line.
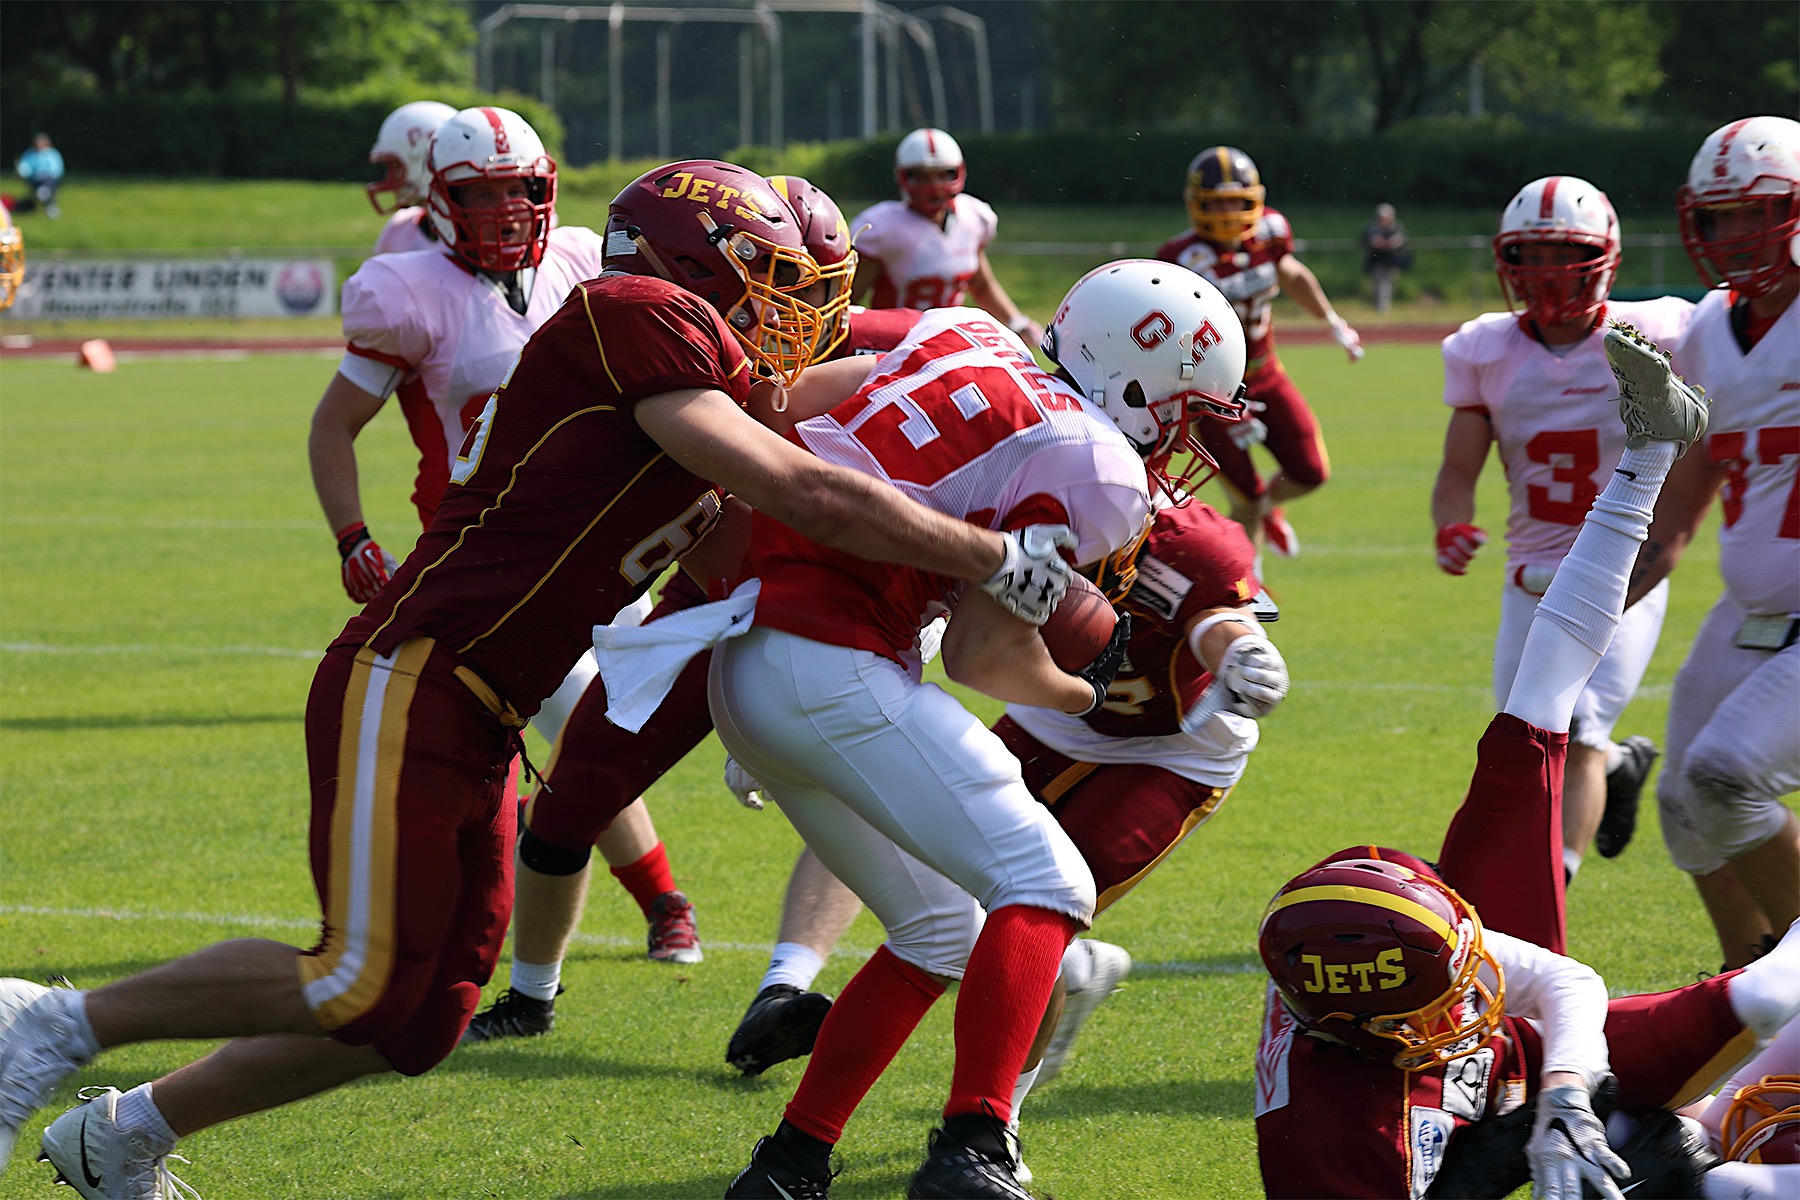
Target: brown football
(1080,627)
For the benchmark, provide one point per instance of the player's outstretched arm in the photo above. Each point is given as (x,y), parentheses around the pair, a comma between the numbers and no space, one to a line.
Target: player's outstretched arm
(820,389)
(1466,443)
(331,451)
(706,432)
(985,290)
(1298,281)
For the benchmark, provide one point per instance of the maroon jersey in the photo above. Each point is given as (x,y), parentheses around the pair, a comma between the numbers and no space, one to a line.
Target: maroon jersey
(1329,1123)
(1245,273)
(1193,560)
(561,509)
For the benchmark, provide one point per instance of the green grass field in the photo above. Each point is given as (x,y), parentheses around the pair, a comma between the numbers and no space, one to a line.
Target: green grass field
(167,585)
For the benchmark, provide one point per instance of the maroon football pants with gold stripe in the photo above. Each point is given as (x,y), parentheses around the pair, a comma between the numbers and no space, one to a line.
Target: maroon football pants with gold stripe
(411,846)
(1125,818)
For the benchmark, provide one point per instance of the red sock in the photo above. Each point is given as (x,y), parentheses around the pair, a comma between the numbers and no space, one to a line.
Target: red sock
(1004,990)
(872,1018)
(647,878)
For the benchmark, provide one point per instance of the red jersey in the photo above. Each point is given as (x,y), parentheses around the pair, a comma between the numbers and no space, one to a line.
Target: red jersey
(561,509)
(1245,273)
(961,419)
(1194,559)
(876,330)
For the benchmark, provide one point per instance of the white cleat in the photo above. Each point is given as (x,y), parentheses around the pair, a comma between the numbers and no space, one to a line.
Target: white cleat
(31,1064)
(1654,403)
(1108,966)
(104,1162)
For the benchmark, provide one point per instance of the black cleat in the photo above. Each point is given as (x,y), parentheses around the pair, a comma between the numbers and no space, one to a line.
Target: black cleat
(774,1175)
(781,1023)
(1624,784)
(513,1015)
(972,1157)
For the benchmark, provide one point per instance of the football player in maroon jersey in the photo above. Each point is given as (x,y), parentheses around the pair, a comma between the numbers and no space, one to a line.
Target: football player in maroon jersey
(1247,249)
(1419,1039)
(622,416)
(595,767)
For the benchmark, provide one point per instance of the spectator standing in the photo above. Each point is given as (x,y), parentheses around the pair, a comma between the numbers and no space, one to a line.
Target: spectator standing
(42,168)
(1385,254)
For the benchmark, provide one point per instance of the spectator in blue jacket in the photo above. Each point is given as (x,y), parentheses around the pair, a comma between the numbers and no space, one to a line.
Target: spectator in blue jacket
(42,168)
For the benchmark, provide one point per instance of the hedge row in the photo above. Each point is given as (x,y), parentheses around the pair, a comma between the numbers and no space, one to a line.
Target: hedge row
(235,136)
(1436,164)
(1444,163)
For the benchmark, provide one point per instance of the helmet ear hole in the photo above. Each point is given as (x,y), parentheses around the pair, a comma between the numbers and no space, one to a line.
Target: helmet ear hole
(1134,395)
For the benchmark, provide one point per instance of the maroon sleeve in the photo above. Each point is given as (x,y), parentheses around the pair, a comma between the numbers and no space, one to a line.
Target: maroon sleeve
(1170,251)
(874,330)
(1210,550)
(651,337)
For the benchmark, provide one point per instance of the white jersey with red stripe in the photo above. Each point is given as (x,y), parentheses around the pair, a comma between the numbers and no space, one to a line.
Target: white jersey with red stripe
(924,266)
(1554,417)
(443,337)
(960,418)
(1754,432)
(405,232)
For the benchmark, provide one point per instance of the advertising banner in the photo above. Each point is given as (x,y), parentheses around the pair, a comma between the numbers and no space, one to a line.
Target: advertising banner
(233,287)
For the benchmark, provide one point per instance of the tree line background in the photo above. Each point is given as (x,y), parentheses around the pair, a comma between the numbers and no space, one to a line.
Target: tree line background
(296,87)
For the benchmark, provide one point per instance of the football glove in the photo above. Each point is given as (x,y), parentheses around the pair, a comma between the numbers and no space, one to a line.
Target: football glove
(1251,430)
(1034,574)
(743,785)
(1254,676)
(1348,338)
(1099,673)
(1568,1148)
(367,567)
(1456,546)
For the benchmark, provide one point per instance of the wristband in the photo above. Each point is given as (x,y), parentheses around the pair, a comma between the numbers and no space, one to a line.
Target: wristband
(1019,324)
(350,536)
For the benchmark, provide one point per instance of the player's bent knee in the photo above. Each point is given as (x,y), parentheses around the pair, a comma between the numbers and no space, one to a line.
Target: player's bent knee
(536,854)
(1730,818)
(432,1031)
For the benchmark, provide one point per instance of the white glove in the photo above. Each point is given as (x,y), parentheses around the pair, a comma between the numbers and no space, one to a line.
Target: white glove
(1247,432)
(1254,676)
(743,785)
(1568,1148)
(931,639)
(1033,576)
(1348,338)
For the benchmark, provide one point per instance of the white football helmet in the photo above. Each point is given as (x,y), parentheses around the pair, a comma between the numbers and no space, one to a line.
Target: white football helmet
(1152,345)
(488,143)
(1751,164)
(400,148)
(930,150)
(1565,211)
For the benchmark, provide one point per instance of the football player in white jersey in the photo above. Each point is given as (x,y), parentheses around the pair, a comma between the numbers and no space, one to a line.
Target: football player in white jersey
(1536,384)
(928,249)
(399,150)
(440,328)
(1733,741)
(899,791)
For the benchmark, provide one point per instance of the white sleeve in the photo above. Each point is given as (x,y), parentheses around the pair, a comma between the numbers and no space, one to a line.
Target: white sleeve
(1462,388)
(371,375)
(1564,999)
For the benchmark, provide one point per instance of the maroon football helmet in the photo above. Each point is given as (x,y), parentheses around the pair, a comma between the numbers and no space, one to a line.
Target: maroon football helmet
(1384,959)
(723,233)
(827,238)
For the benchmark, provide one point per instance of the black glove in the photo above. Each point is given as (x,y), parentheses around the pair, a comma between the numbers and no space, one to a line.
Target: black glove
(1099,673)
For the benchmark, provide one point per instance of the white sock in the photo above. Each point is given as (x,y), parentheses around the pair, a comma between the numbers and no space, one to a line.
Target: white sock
(1751,1181)
(1077,967)
(74,1007)
(794,964)
(137,1111)
(1571,864)
(1022,1089)
(537,980)
(1766,994)
(1615,754)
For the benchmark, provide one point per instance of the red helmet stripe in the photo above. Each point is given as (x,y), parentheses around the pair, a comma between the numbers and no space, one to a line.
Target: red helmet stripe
(501,146)
(1547,202)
